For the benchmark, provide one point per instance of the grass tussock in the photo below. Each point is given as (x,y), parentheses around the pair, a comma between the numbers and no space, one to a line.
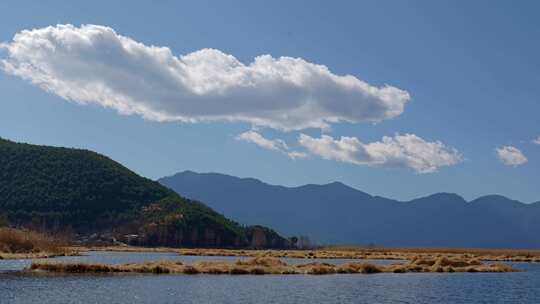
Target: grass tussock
(366,268)
(317,268)
(265,265)
(15,243)
(72,268)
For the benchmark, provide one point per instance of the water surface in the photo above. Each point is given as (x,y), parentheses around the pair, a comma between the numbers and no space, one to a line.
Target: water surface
(19,287)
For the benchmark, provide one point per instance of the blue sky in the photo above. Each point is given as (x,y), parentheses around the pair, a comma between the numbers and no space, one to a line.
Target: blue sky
(471,70)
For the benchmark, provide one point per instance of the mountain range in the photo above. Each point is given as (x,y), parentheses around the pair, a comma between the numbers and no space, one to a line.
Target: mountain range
(335,213)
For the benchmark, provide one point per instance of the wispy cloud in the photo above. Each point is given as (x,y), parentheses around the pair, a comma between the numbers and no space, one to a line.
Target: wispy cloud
(536,141)
(511,156)
(269,144)
(261,141)
(406,150)
(94,64)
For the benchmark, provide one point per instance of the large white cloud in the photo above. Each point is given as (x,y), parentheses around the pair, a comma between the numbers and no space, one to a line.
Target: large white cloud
(93,64)
(511,156)
(406,150)
(270,144)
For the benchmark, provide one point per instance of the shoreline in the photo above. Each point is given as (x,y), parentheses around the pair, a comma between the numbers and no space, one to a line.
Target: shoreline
(494,255)
(354,253)
(37,255)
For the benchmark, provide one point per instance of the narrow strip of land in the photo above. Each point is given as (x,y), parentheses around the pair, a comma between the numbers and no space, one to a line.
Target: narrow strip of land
(265,265)
(23,244)
(360,253)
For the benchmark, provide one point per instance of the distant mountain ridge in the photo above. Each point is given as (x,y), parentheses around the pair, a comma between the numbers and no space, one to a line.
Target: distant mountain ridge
(338,214)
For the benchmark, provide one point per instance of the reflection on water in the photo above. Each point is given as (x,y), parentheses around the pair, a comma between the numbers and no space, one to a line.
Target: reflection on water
(16,287)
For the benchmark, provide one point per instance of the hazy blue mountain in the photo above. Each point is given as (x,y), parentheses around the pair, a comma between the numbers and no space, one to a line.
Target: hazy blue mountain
(337,213)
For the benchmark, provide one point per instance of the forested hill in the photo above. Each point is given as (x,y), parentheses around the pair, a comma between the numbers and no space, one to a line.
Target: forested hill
(71,189)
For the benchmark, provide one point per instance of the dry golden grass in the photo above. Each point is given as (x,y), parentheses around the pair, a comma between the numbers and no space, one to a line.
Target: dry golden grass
(359,268)
(376,254)
(17,244)
(497,254)
(265,265)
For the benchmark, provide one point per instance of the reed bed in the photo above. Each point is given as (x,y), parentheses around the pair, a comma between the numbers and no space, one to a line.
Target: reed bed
(18,244)
(266,265)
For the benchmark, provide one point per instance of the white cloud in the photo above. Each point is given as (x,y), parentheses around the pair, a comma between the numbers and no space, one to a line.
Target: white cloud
(269,144)
(406,150)
(511,156)
(296,154)
(259,140)
(93,64)
(537,140)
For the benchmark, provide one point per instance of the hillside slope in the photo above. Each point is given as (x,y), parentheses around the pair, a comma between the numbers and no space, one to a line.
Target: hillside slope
(336,213)
(70,189)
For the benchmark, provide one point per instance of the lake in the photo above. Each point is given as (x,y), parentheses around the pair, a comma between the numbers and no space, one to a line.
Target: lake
(19,287)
